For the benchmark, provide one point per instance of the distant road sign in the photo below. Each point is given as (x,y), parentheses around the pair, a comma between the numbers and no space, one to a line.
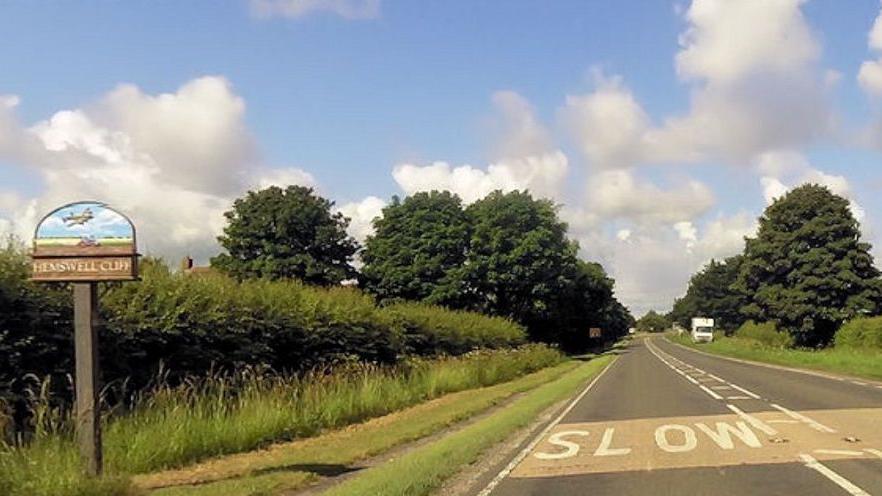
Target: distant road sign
(595,332)
(85,241)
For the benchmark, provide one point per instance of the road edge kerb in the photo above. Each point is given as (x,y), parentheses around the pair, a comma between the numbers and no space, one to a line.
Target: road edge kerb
(825,375)
(535,441)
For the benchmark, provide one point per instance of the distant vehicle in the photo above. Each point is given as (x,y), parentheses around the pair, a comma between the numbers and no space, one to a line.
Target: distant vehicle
(702,330)
(632,330)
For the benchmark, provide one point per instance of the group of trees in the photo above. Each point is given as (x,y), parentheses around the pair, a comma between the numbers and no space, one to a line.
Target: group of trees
(806,270)
(506,255)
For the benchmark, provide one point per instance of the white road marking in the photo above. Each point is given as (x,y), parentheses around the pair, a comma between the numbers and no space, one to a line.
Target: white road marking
(768,365)
(689,439)
(715,377)
(859,383)
(723,435)
(721,387)
(605,450)
(710,392)
(527,449)
(557,439)
(782,421)
(838,452)
(839,480)
(798,416)
(738,397)
(759,424)
(752,395)
(874,452)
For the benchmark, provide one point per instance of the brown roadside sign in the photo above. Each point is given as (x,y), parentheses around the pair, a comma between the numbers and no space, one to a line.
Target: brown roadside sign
(84,242)
(595,332)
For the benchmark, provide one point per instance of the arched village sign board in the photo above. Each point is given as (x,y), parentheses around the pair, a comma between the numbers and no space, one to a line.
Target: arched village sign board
(85,241)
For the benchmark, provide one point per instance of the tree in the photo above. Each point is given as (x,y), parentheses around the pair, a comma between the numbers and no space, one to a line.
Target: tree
(418,246)
(286,233)
(807,269)
(519,258)
(711,294)
(652,321)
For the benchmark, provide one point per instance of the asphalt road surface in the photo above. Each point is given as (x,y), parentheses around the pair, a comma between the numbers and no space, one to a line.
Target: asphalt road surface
(663,419)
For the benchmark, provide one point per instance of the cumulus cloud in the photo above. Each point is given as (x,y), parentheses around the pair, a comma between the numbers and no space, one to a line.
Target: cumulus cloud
(750,93)
(870,73)
(620,194)
(173,162)
(518,132)
(296,9)
(784,170)
(527,159)
(540,174)
(361,215)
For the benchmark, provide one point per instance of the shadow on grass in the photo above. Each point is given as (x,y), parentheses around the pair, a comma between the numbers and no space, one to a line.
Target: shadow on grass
(322,469)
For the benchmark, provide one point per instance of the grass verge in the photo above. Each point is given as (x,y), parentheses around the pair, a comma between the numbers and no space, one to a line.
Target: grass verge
(176,426)
(841,361)
(293,465)
(426,468)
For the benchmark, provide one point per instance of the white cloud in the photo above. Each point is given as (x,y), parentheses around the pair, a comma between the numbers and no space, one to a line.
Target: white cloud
(295,9)
(750,92)
(361,215)
(609,125)
(619,194)
(785,170)
(870,73)
(173,162)
(284,178)
(540,174)
(518,132)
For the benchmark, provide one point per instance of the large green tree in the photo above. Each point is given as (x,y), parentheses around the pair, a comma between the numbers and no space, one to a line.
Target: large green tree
(807,269)
(653,321)
(711,294)
(519,258)
(286,233)
(418,248)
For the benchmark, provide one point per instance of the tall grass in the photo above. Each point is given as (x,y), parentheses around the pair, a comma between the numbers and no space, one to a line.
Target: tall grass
(176,425)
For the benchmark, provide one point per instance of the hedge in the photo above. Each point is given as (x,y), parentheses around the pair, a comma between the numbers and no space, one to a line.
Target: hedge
(860,333)
(181,325)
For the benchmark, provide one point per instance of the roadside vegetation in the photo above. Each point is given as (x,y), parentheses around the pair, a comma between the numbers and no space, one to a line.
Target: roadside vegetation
(283,337)
(425,469)
(804,293)
(230,414)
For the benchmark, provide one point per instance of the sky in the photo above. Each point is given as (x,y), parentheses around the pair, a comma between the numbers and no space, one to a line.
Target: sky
(661,128)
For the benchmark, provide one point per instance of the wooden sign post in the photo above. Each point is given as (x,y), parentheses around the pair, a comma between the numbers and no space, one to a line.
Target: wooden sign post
(85,243)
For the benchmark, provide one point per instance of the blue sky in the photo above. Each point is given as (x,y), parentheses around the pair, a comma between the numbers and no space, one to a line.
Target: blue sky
(341,100)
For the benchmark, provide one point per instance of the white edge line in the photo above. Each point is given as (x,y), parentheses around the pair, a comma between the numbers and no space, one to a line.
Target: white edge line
(710,392)
(838,452)
(798,416)
(837,479)
(768,365)
(526,451)
(759,424)
(874,452)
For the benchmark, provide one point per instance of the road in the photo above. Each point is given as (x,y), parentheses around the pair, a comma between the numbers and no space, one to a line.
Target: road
(664,419)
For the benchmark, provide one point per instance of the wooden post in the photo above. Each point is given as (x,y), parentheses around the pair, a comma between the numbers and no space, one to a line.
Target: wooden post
(87,375)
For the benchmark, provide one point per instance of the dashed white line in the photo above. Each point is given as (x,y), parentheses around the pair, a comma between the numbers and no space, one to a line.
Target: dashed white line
(859,383)
(839,480)
(738,397)
(752,395)
(798,416)
(750,419)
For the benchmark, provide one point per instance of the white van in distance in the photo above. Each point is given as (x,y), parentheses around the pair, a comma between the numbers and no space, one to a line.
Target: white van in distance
(702,330)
